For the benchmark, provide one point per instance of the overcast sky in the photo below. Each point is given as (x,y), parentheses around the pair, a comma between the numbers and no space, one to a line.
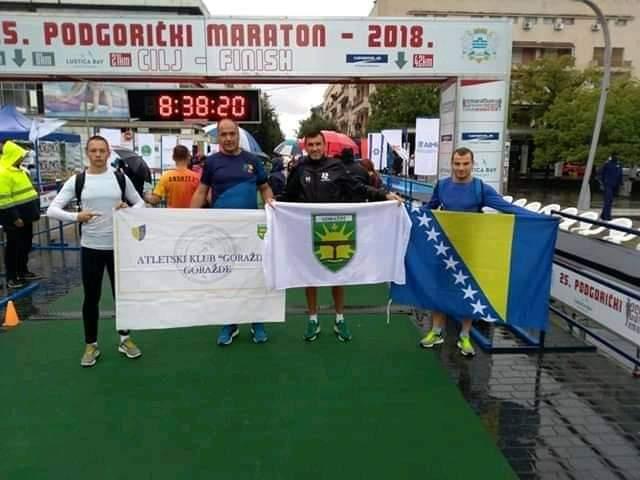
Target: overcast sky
(292,102)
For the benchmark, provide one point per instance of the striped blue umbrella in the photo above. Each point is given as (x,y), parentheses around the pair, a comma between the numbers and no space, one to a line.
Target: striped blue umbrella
(289,148)
(247,142)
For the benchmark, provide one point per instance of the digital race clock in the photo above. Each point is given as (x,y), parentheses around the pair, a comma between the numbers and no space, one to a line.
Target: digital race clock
(192,105)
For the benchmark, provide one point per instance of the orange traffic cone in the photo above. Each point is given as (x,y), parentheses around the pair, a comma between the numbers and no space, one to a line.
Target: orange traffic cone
(11,318)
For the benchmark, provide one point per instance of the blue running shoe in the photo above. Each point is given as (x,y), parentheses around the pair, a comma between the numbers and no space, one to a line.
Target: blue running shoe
(227,334)
(259,333)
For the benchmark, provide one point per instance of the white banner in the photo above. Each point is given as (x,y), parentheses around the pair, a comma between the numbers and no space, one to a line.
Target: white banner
(112,135)
(447,128)
(427,141)
(610,307)
(375,149)
(188,267)
(390,138)
(106,48)
(186,142)
(481,126)
(146,146)
(167,144)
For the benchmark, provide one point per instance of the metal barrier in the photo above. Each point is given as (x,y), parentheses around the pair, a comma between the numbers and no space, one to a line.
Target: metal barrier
(49,244)
(23,292)
(408,187)
(600,223)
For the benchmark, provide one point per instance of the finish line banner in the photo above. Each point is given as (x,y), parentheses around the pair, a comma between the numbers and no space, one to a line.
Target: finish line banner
(175,48)
(191,267)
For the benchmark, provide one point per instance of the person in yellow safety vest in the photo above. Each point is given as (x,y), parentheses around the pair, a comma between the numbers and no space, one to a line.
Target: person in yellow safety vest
(19,208)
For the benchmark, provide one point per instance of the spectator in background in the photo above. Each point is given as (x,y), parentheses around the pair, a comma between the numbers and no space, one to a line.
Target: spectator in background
(374,179)
(357,172)
(611,179)
(412,166)
(19,208)
(178,185)
(277,180)
(397,164)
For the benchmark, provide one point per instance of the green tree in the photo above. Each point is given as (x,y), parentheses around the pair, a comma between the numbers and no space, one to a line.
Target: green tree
(566,128)
(398,106)
(315,121)
(268,132)
(536,85)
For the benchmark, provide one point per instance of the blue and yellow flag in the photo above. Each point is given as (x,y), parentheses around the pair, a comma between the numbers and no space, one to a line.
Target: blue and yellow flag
(492,267)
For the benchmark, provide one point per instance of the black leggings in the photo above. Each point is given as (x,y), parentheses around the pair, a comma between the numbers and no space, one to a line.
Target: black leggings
(93,264)
(16,253)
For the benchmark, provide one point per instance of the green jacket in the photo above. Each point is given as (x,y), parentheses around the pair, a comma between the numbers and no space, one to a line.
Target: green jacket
(18,197)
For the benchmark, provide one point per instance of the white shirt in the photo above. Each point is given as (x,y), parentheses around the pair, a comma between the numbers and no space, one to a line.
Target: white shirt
(101,194)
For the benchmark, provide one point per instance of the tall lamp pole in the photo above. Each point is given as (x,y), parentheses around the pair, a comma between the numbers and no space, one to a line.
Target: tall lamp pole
(584,199)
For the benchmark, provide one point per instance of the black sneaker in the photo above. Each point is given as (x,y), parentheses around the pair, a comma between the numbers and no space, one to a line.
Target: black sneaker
(30,276)
(15,283)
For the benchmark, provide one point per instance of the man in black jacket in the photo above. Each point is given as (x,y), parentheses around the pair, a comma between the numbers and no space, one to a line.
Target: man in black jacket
(318,179)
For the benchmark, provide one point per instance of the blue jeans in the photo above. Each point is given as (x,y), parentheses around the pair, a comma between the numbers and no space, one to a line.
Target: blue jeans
(609,193)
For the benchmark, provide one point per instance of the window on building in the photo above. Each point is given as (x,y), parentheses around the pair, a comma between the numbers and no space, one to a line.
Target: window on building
(516,56)
(556,52)
(528,55)
(531,20)
(617,57)
(621,22)
(568,20)
(548,20)
(22,95)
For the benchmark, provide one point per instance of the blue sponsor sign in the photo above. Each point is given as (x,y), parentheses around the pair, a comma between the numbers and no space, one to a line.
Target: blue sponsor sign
(367,58)
(480,136)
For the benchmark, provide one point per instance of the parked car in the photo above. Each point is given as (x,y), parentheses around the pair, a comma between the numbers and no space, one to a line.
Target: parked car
(573,170)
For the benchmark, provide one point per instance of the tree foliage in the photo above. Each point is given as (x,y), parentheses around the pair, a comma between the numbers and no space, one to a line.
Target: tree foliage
(315,121)
(566,127)
(536,86)
(398,106)
(268,132)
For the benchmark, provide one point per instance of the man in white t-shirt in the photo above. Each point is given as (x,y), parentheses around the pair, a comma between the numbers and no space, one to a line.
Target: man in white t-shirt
(101,190)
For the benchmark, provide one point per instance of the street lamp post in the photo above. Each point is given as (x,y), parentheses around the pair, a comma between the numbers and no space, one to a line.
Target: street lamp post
(584,199)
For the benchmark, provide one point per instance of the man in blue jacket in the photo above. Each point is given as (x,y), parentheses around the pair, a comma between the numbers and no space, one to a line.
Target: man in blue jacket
(463,193)
(611,179)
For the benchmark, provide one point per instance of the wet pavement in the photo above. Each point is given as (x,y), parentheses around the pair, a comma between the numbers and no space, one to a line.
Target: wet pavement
(554,416)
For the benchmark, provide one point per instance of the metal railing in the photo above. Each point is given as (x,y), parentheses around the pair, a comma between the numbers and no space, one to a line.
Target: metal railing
(600,223)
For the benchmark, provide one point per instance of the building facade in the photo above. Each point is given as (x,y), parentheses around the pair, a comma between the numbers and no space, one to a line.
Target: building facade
(540,27)
(348,106)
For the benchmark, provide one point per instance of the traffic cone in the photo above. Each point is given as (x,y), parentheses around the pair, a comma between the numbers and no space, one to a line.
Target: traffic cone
(11,318)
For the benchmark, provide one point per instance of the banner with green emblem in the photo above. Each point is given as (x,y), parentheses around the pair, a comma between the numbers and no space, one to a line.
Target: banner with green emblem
(334,239)
(314,245)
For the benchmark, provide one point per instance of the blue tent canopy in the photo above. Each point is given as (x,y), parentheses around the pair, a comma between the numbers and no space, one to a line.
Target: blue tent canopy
(15,126)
